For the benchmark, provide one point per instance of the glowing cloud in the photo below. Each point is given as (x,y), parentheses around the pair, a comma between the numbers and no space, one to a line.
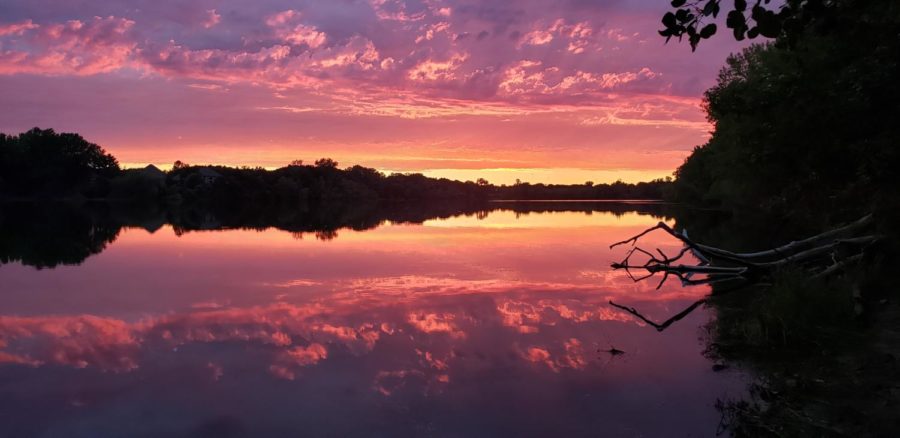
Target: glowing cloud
(537,81)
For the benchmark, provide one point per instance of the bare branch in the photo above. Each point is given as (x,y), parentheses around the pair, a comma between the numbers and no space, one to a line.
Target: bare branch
(661,225)
(840,265)
(792,247)
(705,253)
(822,250)
(832,246)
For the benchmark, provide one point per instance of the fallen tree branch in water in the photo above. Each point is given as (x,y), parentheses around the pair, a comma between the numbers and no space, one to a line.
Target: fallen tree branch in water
(797,245)
(705,251)
(839,266)
(821,255)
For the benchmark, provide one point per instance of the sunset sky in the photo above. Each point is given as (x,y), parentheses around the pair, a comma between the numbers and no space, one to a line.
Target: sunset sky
(560,91)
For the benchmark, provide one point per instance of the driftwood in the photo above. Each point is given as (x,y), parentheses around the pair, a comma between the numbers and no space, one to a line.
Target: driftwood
(821,255)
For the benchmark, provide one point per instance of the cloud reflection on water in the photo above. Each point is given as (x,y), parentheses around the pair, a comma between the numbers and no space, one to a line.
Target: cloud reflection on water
(470,321)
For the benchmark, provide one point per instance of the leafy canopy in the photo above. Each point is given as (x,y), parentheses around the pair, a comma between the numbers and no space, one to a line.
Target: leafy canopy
(810,127)
(694,19)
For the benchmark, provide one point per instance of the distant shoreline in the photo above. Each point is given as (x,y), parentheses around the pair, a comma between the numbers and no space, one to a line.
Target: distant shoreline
(621,201)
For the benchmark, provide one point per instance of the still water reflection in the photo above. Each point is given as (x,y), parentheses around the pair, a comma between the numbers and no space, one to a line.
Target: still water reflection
(487,324)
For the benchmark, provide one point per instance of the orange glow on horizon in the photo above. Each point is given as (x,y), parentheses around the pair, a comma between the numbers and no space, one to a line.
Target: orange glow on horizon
(504,176)
(591,95)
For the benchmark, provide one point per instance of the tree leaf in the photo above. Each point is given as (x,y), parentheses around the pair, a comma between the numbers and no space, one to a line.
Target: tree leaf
(708,30)
(668,20)
(735,20)
(694,40)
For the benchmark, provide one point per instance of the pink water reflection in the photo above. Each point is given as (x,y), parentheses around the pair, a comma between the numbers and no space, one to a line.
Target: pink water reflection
(461,314)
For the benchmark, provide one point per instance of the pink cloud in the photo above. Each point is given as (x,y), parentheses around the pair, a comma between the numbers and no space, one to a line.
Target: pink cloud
(571,355)
(388,382)
(17,28)
(435,323)
(74,341)
(394,10)
(532,81)
(101,45)
(309,355)
(517,85)
(282,18)
(438,70)
(430,317)
(212,19)
(290,50)
(538,38)
(282,372)
(577,37)
(288,28)
(432,30)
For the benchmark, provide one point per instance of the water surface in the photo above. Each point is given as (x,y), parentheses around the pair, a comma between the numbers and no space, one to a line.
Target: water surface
(486,324)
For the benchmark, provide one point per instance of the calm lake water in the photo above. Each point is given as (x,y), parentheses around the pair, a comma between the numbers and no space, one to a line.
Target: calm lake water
(485,324)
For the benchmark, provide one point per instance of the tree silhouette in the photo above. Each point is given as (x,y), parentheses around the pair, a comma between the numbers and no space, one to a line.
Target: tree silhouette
(42,161)
(326,163)
(27,173)
(746,20)
(806,129)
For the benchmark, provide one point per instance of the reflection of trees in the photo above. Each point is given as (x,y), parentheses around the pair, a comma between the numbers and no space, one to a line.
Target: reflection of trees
(617,208)
(324,220)
(326,235)
(47,235)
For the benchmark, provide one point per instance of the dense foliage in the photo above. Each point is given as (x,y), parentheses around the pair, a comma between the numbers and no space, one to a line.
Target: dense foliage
(325,181)
(44,164)
(41,162)
(747,19)
(806,128)
(300,183)
(655,189)
(805,137)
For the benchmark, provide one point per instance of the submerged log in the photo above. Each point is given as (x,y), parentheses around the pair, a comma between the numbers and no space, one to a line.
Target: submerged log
(821,255)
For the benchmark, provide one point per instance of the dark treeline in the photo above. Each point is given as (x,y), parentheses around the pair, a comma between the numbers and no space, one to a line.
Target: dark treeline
(806,127)
(652,190)
(806,134)
(48,234)
(45,164)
